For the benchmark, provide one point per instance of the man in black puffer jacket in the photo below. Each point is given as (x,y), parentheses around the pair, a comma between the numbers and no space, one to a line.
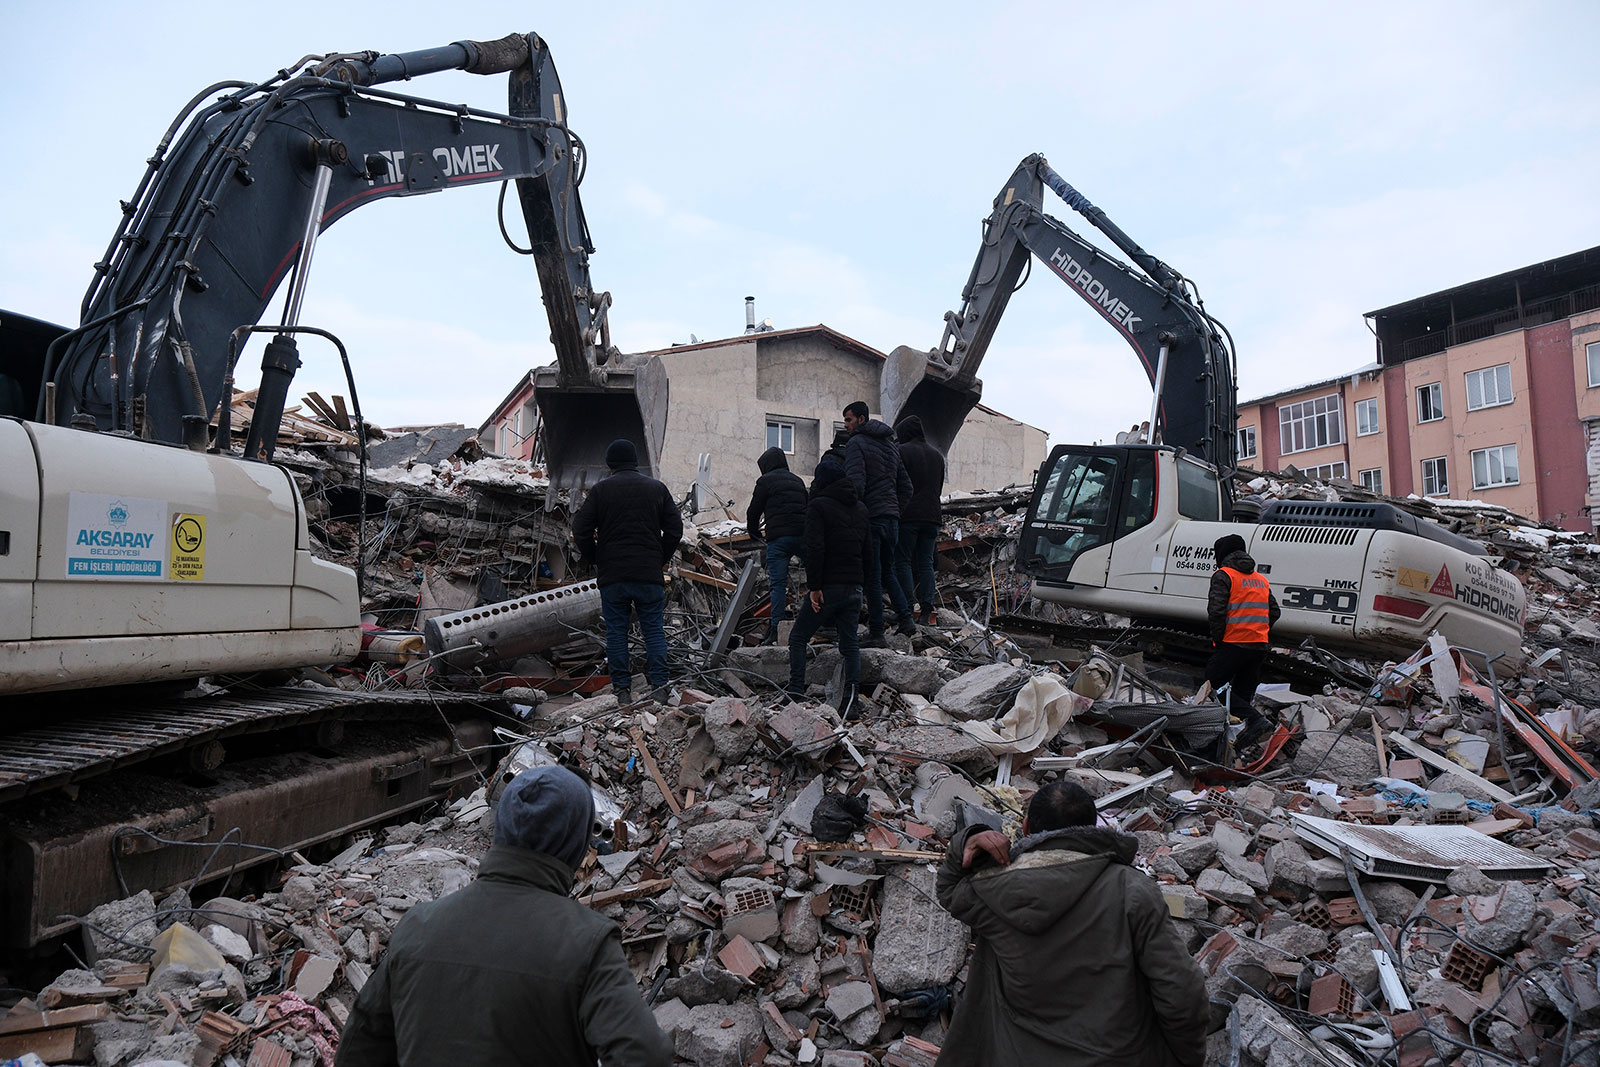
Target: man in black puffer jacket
(919,519)
(836,542)
(872,461)
(628,527)
(780,497)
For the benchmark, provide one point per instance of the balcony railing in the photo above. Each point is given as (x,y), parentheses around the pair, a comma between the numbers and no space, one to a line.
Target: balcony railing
(1536,313)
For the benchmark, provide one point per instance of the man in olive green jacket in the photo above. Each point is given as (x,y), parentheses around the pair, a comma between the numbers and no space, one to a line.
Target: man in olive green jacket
(509,970)
(1077,961)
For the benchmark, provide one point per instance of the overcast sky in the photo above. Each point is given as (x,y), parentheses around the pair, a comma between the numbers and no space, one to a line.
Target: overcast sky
(1303,165)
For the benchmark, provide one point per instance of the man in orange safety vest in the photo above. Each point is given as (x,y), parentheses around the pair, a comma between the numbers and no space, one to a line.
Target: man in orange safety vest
(1240,610)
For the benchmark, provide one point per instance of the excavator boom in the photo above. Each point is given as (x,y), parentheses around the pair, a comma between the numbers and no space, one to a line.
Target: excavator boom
(248,176)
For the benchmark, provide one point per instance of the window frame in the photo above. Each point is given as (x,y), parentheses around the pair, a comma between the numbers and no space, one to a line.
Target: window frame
(1510,394)
(1371,404)
(1239,444)
(1516,466)
(1591,352)
(780,426)
(1437,403)
(1304,415)
(1367,484)
(1441,473)
(1326,471)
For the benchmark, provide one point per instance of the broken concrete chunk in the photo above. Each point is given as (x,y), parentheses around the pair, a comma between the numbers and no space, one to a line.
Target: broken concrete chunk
(848,999)
(981,693)
(919,944)
(299,894)
(1496,921)
(733,725)
(716,1035)
(128,919)
(1225,887)
(1247,871)
(234,949)
(1346,759)
(1391,901)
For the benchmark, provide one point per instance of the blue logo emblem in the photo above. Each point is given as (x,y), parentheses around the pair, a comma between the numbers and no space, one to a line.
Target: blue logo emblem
(117,514)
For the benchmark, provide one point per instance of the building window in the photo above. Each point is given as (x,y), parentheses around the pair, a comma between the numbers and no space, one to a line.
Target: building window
(1493,467)
(1430,402)
(1435,478)
(1247,442)
(1326,471)
(1372,480)
(1489,387)
(1311,424)
(1367,417)
(1591,352)
(781,435)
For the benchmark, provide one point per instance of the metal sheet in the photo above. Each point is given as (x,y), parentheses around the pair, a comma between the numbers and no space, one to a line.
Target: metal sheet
(1419,853)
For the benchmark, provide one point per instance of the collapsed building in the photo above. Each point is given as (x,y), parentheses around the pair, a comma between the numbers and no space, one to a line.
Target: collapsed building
(1407,874)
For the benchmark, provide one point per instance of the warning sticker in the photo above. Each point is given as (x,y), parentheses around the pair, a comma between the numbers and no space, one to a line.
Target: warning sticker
(1412,578)
(188,547)
(115,536)
(1442,585)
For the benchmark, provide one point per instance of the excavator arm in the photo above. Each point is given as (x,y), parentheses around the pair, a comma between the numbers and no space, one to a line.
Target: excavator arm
(1185,353)
(246,178)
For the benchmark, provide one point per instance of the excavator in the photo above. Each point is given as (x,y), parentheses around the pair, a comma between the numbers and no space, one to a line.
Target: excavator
(133,545)
(1129,528)
(137,548)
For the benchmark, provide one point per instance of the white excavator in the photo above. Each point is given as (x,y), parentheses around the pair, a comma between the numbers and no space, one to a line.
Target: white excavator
(1129,528)
(135,546)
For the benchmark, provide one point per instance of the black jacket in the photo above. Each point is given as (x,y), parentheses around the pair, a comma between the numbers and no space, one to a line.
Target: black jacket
(628,527)
(1077,964)
(780,497)
(836,536)
(872,463)
(1221,592)
(926,468)
(505,971)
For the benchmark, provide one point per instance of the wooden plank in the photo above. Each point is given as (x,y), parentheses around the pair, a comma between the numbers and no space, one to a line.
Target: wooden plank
(901,855)
(343,413)
(322,407)
(1435,760)
(705,579)
(627,892)
(655,772)
(23,1021)
(67,1044)
(1383,753)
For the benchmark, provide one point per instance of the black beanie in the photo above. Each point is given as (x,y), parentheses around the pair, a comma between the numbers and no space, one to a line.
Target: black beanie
(621,453)
(828,472)
(547,809)
(1227,545)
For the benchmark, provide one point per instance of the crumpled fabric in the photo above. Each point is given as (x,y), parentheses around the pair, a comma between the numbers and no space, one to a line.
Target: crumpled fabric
(308,1020)
(1042,707)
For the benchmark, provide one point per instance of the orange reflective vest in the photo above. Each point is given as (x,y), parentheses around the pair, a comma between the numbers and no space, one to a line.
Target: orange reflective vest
(1248,613)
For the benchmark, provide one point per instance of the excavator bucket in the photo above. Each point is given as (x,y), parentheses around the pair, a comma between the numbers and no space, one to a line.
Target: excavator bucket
(914,385)
(581,419)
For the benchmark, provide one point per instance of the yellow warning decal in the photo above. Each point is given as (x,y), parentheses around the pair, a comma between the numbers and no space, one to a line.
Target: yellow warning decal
(188,547)
(1414,579)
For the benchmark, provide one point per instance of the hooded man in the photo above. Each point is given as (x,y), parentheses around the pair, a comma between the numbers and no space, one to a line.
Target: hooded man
(919,519)
(1077,961)
(1240,610)
(509,967)
(780,498)
(836,539)
(628,527)
(872,462)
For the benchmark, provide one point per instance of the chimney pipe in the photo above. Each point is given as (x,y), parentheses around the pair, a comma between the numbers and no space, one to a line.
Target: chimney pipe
(749,314)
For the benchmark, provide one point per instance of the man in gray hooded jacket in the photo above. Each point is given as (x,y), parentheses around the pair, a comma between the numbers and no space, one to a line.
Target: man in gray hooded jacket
(1077,961)
(510,970)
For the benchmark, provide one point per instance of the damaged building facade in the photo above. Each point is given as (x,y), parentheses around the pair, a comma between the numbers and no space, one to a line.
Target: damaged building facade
(1488,391)
(736,397)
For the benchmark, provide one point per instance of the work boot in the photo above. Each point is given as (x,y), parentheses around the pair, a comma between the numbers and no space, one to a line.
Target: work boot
(875,639)
(771,636)
(661,694)
(906,627)
(796,693)
(850,703)
(623,694)
(1255,728)
(928,617)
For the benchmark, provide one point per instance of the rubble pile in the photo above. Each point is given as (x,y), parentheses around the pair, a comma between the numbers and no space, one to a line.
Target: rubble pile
(1388,882)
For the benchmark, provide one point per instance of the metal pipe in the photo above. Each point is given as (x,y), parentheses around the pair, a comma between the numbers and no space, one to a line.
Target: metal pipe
(1161,379)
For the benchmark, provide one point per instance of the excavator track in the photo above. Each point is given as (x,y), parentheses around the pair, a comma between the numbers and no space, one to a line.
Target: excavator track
(164,792)
(80,747)
(1183,645)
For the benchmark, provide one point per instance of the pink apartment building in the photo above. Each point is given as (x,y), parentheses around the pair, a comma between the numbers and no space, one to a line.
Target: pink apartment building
(1487,391)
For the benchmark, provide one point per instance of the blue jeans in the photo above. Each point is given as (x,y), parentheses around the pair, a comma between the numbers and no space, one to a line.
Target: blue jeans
(880,573)
(914,554)
(841,606)
(618,601)
(779,549)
